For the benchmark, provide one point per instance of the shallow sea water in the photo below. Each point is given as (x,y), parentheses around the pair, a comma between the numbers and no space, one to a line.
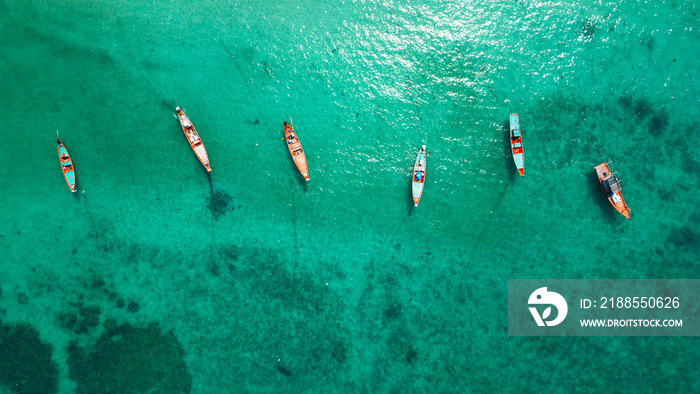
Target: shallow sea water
(252,279)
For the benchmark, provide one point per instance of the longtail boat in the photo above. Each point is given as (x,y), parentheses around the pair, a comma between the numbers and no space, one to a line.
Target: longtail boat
(193,138)
(611,185)
(66,165)
(418,178)
(296,150)
(516,143)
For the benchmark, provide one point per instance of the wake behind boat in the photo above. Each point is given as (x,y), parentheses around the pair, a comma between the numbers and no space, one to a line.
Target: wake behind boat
(418,178)
(516,143)
(611,184)
(193,138)
(66,165)
(296,150)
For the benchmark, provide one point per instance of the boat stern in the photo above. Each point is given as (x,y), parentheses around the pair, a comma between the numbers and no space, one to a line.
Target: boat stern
(416,190)
(70,180)
(519,163)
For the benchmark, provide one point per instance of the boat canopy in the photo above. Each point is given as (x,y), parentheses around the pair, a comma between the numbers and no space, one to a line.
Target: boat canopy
(516,132)
(613,184)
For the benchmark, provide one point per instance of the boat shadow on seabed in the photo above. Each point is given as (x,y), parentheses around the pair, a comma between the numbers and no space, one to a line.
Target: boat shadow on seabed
(601,200)
(410,204)
(507,153)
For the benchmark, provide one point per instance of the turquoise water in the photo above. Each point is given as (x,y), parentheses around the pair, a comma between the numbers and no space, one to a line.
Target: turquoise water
(155,276)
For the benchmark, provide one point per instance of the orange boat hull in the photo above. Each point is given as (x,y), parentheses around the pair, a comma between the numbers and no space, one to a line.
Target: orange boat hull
(296,150)
(417,182)
(614,196)
(516,143)
(66,165)
(193,138)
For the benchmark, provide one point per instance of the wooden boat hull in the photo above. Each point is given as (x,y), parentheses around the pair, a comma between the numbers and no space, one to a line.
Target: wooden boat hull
(66,165)
(608,180)
(418,179)
(296,150)
(516,143)
(193,138)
